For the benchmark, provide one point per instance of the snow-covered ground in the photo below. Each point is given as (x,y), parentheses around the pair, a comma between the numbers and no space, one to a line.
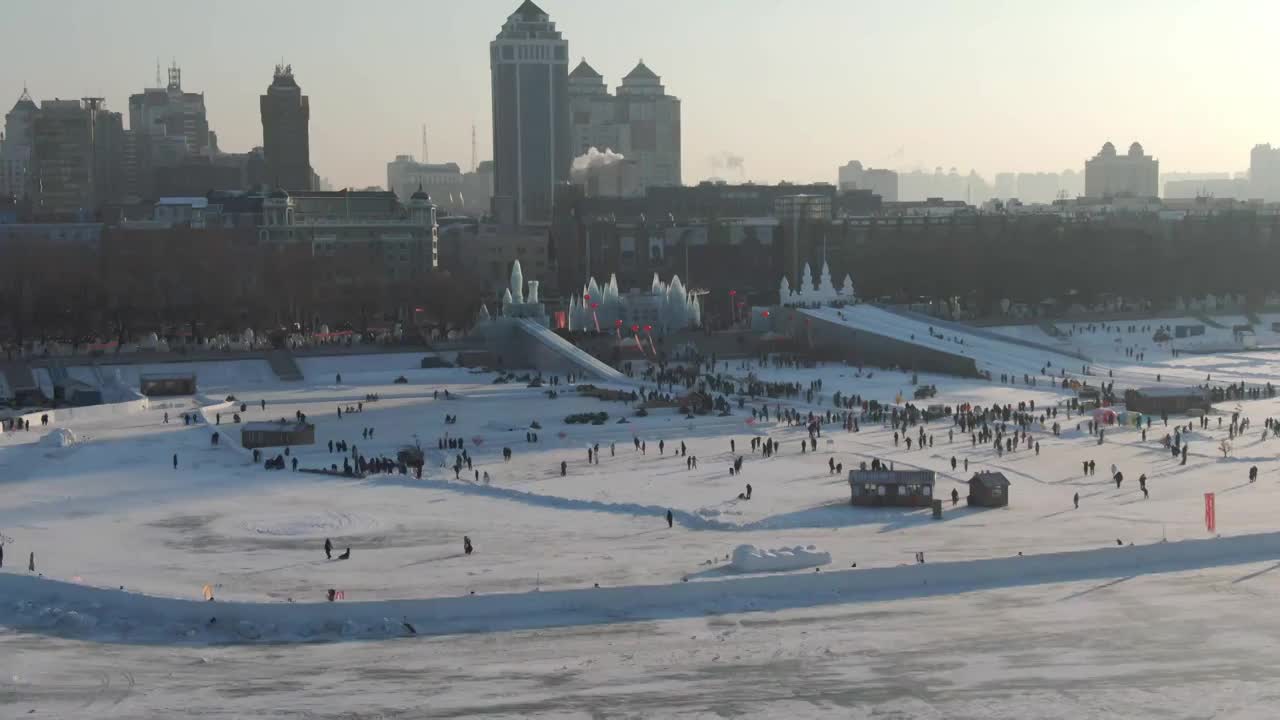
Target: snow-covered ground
(1076,627)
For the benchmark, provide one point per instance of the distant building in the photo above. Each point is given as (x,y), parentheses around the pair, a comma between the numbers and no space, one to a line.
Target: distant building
(76,158)
(641,122)
(852,176)
(1006,185)
(1264,173)
(286,144)
(16,146)
(484,252)
(453,191)
(365,235)
(1185,186)
(1134,174)
(1038,187)
(532,149)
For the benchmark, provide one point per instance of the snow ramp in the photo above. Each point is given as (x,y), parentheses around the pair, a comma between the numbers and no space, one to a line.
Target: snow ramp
(926,345)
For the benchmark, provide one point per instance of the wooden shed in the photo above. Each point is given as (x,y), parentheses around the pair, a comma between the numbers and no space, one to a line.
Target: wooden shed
(891,488)
(1173,400)
(281,433)
(168,384)
(988,489)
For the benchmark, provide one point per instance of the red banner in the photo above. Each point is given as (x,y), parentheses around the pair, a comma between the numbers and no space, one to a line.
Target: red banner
(1210,517)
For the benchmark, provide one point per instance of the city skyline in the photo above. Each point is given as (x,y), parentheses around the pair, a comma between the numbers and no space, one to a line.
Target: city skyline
(1025,87)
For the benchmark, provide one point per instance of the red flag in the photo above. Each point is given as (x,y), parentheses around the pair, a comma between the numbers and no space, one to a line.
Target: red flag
(1210,516)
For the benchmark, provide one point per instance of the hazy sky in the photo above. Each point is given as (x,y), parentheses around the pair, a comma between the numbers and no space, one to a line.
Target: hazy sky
(796,87)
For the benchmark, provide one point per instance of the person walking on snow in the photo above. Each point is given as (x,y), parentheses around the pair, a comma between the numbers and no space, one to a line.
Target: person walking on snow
(670,519)
(1076,500)
(328,549)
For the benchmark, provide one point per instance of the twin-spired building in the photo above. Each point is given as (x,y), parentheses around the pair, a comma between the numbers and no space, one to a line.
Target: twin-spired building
(641,122)
(1134,174)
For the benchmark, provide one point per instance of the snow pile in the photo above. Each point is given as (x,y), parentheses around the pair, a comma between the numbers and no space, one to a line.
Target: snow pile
(749,558)
(59,438)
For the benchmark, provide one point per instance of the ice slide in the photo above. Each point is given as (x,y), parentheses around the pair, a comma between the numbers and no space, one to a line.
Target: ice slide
(585,362)
(988,352)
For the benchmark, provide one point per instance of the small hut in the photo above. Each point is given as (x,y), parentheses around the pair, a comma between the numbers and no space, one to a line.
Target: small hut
(893,488)
(282,433)
(988,489)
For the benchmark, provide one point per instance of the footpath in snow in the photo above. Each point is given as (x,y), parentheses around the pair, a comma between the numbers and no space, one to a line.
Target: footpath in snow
(36,604)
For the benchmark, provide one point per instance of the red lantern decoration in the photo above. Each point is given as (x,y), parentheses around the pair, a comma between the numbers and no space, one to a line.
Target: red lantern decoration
(764,314)
(586,297)
(618,323)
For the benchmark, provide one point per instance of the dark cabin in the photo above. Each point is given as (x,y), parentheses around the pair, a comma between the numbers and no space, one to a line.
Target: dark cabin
(1172,400)
(891,488)
(161,385)
(988,489)
(277,434)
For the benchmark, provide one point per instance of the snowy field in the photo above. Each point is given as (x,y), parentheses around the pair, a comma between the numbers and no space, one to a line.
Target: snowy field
(1099,617)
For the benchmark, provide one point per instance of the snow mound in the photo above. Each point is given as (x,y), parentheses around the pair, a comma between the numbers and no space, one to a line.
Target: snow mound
(749,558)
(59,438)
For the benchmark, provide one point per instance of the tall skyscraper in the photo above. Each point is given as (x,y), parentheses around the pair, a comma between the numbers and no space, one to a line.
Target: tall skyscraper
(641,122)
(16,149)
(286,115)
(529,65)
(76,157)
(1135,174)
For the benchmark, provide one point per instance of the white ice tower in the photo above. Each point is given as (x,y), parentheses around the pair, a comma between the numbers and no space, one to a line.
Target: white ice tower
(517,283)
(826,291)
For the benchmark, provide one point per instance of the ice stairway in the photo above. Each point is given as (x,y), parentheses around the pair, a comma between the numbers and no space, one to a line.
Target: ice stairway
(284,365)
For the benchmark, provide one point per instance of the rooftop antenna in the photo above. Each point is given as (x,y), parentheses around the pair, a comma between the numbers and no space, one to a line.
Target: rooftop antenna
(473,147)
(157,72)
(425,157)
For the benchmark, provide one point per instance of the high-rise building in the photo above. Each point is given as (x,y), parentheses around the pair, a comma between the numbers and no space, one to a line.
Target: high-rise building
(641,122)
(16,147)
(1134,174)
(77,151)
(171,112)
(852,176)
(532,149)
(1264,172)
(286,115)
